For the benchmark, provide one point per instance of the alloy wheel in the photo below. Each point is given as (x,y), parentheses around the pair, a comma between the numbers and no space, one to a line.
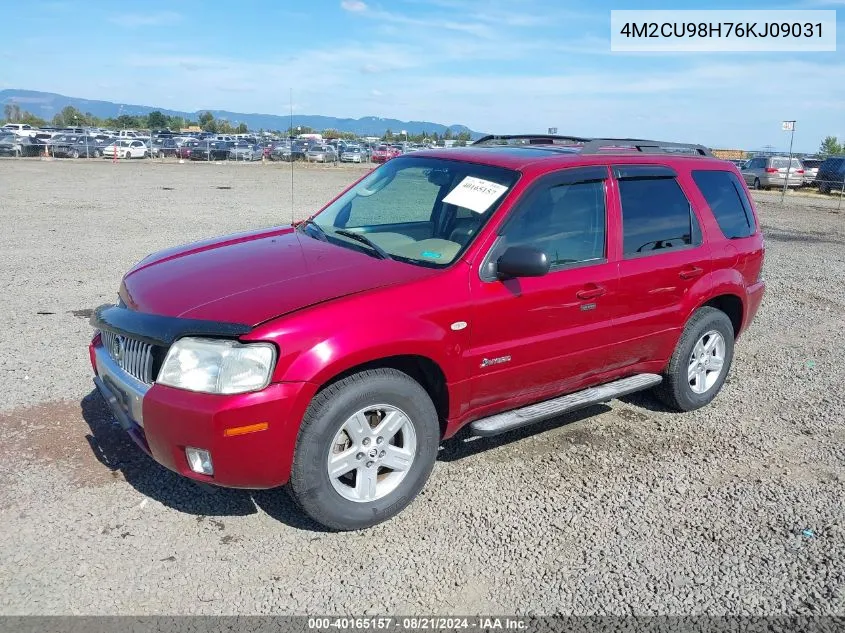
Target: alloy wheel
(372,453)
(706,362)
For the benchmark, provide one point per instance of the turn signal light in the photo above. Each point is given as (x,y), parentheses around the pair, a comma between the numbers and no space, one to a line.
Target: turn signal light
(243,430)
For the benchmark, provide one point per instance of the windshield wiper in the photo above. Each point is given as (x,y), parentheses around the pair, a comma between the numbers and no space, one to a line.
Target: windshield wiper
(360,237)
(320,232)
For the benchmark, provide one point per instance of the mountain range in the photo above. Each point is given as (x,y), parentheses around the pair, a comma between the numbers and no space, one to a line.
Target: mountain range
(47,104)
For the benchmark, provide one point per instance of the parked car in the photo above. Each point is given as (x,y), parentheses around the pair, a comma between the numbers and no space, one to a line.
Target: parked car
(234,372)
(300,148)
(76,146)
(383,153)
(831,174)
(765,172)
(321,154)
(21,129)
(280,151)
(243,150)
(17,145)
(126,148)
(811,170)
(211,150)
(62,137)
(353,154)
(163,147)
(185,149)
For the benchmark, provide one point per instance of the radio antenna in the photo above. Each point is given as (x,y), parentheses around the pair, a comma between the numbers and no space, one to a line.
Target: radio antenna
(290,141)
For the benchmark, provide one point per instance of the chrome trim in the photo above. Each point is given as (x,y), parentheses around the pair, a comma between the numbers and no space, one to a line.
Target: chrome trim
(132,355)
(135,390)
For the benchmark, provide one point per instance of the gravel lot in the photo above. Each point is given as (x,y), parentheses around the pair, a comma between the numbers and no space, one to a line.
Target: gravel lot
(620,509)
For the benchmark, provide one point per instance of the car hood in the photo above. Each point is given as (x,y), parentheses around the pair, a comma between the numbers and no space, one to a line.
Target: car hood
(253,277)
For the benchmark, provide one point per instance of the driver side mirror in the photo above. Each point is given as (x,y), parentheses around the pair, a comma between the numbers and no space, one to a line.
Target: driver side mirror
(522,261)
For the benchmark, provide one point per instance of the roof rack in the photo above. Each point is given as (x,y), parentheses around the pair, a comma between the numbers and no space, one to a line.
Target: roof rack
(598,145)
(529,139)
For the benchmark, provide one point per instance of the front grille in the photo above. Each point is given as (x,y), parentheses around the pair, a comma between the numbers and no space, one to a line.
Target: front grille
(132,356)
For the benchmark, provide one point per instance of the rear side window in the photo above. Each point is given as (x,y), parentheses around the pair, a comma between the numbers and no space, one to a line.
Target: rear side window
(726,199)
(656,216)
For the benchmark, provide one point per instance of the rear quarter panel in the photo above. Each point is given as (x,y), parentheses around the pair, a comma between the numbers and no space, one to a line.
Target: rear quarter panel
(737,263)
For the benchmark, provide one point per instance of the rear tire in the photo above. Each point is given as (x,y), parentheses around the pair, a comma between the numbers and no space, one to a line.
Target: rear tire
(74,153)
(330,500)
(690,380)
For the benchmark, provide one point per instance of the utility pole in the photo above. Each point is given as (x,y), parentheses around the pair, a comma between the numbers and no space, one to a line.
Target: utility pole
(788,126)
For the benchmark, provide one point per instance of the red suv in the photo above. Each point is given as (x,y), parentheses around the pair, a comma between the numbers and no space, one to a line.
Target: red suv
(491,286)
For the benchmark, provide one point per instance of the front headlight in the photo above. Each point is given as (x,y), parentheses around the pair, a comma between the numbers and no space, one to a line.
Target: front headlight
(217,366)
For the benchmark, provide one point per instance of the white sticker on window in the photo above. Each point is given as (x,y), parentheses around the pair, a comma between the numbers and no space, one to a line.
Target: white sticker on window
(475,194)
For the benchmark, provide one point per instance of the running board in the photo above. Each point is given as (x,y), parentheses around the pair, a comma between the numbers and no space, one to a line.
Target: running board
(509,420)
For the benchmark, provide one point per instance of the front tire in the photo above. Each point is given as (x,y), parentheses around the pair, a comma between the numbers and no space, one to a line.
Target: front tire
(701,361)
(365,449)
(74,153)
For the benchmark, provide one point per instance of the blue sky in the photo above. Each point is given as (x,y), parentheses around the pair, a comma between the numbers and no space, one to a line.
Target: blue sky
(504,66)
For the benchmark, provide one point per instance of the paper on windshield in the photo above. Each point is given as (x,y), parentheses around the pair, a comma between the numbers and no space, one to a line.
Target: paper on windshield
(475,194)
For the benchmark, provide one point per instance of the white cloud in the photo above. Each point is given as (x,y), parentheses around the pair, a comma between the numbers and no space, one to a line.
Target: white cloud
(430,26)
(137,20)
(355,6)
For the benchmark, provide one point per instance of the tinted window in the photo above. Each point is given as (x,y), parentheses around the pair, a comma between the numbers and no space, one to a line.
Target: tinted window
(726,200)
(656,215)
(566,221)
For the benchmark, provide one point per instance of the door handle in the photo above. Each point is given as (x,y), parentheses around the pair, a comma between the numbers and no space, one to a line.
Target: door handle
(591,292)
(691,273)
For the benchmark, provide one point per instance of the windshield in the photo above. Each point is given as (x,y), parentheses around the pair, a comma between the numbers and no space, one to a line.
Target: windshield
(421,210)
(781,163)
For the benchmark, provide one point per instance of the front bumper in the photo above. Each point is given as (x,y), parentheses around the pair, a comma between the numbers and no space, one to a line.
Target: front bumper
(163,421)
